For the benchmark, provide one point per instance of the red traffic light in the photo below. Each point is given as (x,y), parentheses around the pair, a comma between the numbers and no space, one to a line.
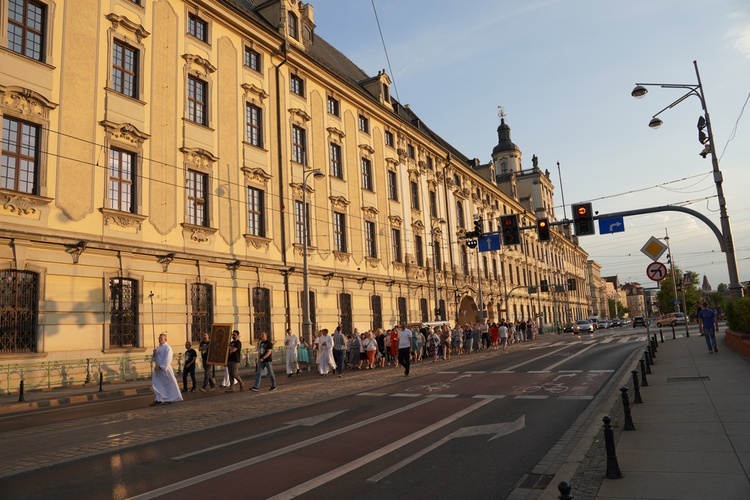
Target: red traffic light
(582,210)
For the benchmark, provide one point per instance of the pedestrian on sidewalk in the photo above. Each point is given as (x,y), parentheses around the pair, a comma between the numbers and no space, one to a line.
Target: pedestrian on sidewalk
(404,347)
(339,350)
(325,359)
(235,351)
(265,362)
(710,322)
(163,382)
(189,368)
(503,336)
(203,348)
(291,342)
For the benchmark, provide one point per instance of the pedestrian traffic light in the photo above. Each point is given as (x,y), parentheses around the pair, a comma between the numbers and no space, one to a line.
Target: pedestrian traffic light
(478,225)
(510,231)
(471,243)
(542,229)
(583,219)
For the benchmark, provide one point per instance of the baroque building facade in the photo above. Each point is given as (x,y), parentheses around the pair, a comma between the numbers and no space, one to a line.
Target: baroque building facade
(159,174)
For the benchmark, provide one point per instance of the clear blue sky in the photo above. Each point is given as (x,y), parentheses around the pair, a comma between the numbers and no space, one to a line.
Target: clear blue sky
(563,71)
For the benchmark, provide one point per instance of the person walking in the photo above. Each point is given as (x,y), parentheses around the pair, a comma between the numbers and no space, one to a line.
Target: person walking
(404,348)
(265,361)
(339,350)
(710,322)
(371,350)
(325,353)
(303,357)
(433,342)
(291,342)
(503,330)
(189,368)
(235,351)
(203,348)
(163,382)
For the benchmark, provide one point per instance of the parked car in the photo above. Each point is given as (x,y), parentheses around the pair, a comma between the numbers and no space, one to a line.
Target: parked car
(625,321)
(671,319)
(585,326)
(640,321)
(615,322)
(603,324)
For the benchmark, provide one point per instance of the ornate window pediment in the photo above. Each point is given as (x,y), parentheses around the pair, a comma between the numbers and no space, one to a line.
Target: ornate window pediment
(370,213)
(367,149)
(125,132)
(418,226)
(414,174)
(25,102)
(199,158)
(297,190)
(299,115)
(198,65)
(252,90)
(137,29)
(335,133)
(396,221)
(392,163)
(256,175)
(339,202)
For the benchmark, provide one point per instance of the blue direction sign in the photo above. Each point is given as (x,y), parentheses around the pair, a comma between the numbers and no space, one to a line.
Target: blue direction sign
(612,225)
(489,242)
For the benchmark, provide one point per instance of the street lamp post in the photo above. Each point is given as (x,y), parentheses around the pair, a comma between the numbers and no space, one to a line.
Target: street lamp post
(306,323)
(435,226)
(640,90)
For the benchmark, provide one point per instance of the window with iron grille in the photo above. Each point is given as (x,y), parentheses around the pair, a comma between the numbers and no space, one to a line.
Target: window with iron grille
(256,216)
(125,69)
(20,156)
(371,244)
(123,312)
(424,309)
(396,245)
(339,232)
(299,145)
(197,100)
(402,315)
(418,250)
(122,176)
(392,185)
(253,60)
(414,187)
(19,311)
(27,28)
(254,125)
(197,205)
(367,174)
(302,226)
(261,311)
(345,309)
(201,310)
(376,304)
(336,167)
(197,27)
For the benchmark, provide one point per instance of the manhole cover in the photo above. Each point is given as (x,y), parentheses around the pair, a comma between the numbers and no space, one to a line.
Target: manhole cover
(687,379)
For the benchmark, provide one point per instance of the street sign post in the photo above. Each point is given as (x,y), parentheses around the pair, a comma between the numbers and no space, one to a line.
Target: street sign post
(611,225)
(656,271)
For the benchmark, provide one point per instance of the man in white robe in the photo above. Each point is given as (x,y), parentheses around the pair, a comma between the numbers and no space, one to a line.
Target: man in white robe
(163,381)
(291,342)
(325,353)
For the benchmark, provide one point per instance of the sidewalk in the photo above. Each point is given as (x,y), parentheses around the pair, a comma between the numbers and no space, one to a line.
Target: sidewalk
(692,437)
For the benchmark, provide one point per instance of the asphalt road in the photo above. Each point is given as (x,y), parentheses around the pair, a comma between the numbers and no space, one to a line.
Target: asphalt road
(475,430)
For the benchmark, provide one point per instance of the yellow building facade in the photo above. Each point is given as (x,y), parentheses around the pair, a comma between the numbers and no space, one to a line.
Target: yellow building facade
(159,164)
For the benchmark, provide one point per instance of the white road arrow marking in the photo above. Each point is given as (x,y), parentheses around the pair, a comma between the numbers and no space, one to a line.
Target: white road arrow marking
(305,422)
(563,376)
(499,430)
(468,375)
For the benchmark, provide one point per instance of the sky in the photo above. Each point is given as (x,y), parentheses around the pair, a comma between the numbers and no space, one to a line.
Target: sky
(563,70)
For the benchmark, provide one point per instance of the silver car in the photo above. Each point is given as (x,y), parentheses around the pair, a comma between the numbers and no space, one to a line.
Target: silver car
(585,326)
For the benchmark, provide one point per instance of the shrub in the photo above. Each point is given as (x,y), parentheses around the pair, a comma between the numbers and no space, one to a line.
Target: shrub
(737,313)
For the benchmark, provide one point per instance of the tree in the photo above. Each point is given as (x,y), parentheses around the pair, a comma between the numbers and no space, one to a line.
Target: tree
(616,311)
(692,293)
(723,288)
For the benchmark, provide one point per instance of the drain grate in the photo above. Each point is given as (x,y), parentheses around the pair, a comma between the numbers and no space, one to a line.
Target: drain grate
(687,379)
(536,481)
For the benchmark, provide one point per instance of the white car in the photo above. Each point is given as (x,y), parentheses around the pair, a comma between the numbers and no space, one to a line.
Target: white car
(585,326)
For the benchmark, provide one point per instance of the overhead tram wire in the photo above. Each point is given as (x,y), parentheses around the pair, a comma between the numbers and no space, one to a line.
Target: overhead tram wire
(385,50)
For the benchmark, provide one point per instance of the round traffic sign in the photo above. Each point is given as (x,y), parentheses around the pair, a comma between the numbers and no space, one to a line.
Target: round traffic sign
(656,271)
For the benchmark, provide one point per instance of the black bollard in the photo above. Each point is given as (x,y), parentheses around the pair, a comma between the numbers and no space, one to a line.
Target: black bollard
(564,489)
(654,346)
(656,343)
(101,379)
(650,350)
(21,399)
(636,389)
(661,335)
(673,334)
(629,425)
(613,468)
(644,381)
(647,357)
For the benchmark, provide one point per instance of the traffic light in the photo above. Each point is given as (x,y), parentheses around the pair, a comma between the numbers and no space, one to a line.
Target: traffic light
(702,137)
(478,225)
(510,231)
(583,219)
(542,229)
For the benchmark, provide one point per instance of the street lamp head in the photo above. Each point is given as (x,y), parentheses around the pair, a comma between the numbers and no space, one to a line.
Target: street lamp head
(655,123)
(318,174)
(639,91)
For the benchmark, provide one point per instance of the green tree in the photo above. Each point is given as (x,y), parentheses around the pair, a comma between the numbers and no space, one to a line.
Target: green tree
(616,312)
(666,296)
(723,288)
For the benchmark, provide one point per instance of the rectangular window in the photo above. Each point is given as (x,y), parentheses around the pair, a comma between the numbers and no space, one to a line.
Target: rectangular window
(436,256)
(371,245)
(19,311)
(253,60)
(414,188)
(293,26)
(339,231)
(297,85)
(301,229)
(27,28)
(261,311)
(256,225)
(336,167)
(367,174)
(464,261)
(197,204)
(494,269)
(389,141)
(299,145)
(364,124)
(197,27)
(122,177)
(254,125)
(392,185)
(20,156)
(376,305)
(123,312)
(398,255)
(333,106)
(201,310)
(430,164)
(125,69)
(197,101)
(410,151)
(418,250)
(433,204)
